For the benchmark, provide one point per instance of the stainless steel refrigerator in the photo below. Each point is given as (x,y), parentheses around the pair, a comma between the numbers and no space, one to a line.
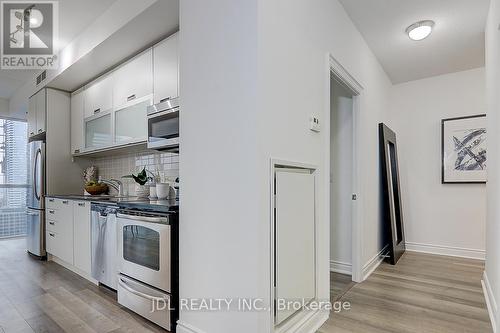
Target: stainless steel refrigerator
(35,237)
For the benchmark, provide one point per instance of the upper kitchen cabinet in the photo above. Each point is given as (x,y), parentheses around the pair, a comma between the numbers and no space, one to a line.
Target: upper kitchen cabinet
(133,79)
(37,113)
(166,69)
(31,116)
(99,96)
(41,111)
(77,115)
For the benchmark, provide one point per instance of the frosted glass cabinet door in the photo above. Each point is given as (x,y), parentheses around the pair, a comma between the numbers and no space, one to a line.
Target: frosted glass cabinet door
(98,132)
(131,122)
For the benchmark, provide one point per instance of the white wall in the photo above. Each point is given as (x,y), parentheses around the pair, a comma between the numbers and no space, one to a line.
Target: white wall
(341,158)
(492,273)
(223,242)
(441,218)
(265,65)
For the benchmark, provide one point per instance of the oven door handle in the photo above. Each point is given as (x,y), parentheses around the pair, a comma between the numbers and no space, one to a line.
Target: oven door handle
(152,219)
(124,285)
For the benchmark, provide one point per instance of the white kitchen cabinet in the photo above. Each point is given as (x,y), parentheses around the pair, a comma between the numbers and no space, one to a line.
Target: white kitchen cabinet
(59,229)
(134,79)
(131,124)
(31,116)
(37,113)
(166,69)
(99,95)
(81,231)
(77,115)
(41,111)
(98,132)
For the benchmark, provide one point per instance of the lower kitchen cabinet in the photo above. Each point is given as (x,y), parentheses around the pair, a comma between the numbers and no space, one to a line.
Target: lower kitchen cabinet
(59,229)
(81,231)
(68,232)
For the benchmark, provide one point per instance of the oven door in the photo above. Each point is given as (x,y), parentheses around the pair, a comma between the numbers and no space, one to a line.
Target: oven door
(144,250)
(163,130)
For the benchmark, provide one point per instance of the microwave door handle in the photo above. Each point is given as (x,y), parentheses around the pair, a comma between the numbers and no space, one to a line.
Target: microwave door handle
(124,285)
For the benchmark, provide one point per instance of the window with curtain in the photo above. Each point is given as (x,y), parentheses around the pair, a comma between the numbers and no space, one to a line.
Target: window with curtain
(13,177)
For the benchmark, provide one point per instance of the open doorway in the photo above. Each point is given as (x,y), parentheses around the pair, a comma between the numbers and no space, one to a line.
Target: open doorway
(341,187)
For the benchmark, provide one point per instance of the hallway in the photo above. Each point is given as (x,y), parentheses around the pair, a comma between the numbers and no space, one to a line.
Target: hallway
(423,293)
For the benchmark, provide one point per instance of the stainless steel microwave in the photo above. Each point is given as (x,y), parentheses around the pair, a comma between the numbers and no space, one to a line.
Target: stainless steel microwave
(163,125)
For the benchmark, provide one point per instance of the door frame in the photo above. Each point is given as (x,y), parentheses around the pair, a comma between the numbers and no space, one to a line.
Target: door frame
(340,74)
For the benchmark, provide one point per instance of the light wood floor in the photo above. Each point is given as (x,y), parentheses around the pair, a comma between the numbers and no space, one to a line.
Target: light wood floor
(339,285)
(45,297)
(422,293)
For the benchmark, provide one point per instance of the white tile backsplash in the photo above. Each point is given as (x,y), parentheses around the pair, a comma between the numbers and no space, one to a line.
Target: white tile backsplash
(167,164)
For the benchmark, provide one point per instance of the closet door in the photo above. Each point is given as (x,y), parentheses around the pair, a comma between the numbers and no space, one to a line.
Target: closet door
(295,239)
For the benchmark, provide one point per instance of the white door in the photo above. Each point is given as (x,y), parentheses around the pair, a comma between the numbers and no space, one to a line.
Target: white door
(295,240)
(134,79)
(81,232)
(77,114)
(166,69)
(32,116)
(99,96)
(41,108)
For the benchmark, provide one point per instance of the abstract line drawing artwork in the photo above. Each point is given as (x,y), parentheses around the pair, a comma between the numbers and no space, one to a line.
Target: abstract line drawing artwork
(463,142)
(470,146)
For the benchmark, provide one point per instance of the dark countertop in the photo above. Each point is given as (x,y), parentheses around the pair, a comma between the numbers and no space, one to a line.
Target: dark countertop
(126,202)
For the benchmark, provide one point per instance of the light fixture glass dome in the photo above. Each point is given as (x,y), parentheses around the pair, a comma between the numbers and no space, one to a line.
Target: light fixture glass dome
(420,30)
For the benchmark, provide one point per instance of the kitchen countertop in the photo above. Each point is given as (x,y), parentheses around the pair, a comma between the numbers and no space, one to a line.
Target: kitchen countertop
(127,202)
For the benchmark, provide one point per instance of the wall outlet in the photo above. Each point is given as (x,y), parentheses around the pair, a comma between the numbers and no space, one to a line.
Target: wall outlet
(314,124)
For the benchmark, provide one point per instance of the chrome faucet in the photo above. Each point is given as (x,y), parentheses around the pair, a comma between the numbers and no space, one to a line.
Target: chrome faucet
(114,183)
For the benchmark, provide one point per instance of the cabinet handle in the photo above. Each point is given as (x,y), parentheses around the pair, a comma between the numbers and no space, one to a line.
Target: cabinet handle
(77,151)
(131,97)
(32,133)
(40,130)
(51,223)
(165,99)
(51,234)
(52,211)
(51,200)
(96,111)
(81,204)
(65,202)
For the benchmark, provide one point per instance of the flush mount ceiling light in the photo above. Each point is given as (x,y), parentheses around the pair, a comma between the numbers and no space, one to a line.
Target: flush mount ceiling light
(420,30)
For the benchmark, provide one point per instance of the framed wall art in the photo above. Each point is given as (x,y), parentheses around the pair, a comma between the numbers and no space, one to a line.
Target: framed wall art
(463,147)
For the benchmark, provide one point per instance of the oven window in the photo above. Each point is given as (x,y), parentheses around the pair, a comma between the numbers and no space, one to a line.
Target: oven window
(141,246)
(164,127)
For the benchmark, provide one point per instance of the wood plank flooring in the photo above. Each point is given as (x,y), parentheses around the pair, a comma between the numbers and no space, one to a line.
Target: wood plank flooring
(422,293)
(44,297)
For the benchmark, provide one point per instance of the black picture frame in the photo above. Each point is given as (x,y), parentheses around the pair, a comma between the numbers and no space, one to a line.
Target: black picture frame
(392,211)
(443,122)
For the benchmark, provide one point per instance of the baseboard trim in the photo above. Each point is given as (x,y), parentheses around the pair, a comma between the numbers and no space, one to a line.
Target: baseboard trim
(374,262)
(303,322)
(446,250)
(490,301)
(340,267)
(183,327)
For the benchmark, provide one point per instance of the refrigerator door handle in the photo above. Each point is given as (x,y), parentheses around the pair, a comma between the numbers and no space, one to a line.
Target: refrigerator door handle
(35,171)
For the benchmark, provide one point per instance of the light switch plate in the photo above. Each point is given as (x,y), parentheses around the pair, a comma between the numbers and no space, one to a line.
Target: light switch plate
(314,124)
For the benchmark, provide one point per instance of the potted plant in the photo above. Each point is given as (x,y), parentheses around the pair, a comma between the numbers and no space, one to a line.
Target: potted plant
(141,189)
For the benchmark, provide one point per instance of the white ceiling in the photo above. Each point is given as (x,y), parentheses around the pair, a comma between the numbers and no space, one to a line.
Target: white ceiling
(457,42)
(74,17)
